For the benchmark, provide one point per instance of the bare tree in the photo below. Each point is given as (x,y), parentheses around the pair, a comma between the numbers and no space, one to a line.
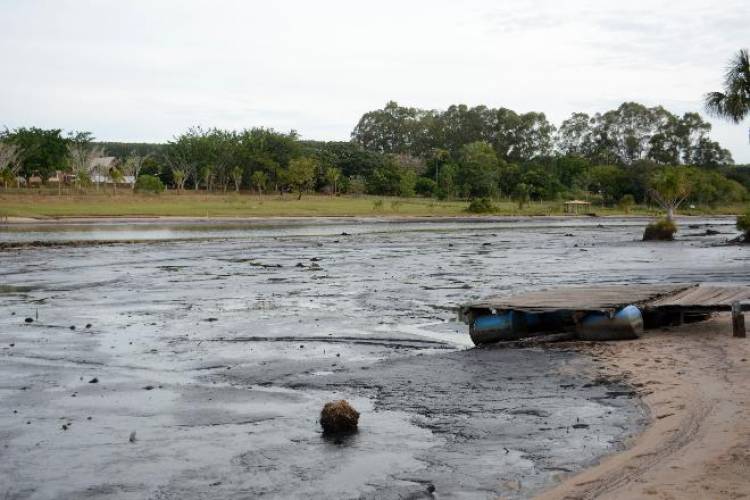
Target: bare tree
(10,162)
(82,154)
(134,164)
(181,165)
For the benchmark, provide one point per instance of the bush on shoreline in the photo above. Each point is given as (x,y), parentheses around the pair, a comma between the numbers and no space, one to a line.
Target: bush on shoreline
(481,206)
(743,224)
(149,184)
(661,230)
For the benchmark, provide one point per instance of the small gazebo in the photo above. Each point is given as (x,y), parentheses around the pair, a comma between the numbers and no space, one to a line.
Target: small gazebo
(572,206)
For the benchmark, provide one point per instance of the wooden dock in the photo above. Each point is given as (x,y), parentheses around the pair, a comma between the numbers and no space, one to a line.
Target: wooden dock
(566,309)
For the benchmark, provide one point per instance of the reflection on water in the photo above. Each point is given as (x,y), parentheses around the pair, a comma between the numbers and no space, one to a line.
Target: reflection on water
(149,229)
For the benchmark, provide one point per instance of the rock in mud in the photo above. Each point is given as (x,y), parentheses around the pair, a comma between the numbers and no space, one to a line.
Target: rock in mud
(29,320)
(339,417)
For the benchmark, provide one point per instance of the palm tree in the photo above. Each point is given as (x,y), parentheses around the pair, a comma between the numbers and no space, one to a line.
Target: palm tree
(734,102)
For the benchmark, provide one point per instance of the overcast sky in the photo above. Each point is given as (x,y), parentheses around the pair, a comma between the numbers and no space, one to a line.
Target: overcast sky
(144,70)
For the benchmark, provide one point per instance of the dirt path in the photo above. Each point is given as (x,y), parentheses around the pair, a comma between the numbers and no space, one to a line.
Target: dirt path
(696,382)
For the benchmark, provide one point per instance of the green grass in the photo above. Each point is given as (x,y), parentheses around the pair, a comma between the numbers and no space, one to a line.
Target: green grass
(38,203)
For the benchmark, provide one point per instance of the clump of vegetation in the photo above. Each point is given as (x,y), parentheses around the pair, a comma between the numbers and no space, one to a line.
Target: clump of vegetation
(149,184)
(481,206)
(743,224)
(626,203)
(521,194)
(425,187)
(339,417)
(661,230)
(377,205)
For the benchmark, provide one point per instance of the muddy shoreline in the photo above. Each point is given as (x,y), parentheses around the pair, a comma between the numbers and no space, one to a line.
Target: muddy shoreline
(219,353)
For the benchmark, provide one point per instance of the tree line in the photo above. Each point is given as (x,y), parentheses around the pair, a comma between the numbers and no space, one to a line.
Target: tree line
(461,152)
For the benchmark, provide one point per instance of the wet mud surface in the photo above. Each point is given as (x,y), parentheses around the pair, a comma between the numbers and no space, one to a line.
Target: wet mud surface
(181,369)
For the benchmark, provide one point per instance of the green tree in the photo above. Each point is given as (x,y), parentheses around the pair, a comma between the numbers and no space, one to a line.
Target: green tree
(626,203)
(446,185)
(425,186)
(301,174)
(386,178)
(571,170)
(259,179)
(41,152)
(477,173)
(180,177)
(332,176)
(207,174)
(407,182)
(733,102)
(669,187)
(521,194)
(7,177)
(237,178)
(117,176)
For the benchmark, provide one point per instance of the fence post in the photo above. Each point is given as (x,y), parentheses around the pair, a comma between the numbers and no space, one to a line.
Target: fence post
(738,321)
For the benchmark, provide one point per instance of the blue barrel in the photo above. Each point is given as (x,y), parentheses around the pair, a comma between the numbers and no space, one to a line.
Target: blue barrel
(625,324)
(510,325)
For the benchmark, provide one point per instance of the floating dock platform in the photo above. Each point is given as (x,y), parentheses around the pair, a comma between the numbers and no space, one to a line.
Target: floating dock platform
(608,312)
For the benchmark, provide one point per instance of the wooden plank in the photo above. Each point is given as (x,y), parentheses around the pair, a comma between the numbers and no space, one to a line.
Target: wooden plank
(591,298)
(704,296)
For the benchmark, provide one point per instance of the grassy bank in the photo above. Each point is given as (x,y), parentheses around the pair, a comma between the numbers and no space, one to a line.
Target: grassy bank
(191,204)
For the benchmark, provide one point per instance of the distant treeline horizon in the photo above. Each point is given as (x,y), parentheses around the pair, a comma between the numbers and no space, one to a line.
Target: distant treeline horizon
(459,152)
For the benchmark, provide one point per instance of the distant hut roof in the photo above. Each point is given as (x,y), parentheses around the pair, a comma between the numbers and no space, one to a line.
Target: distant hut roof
(105,162)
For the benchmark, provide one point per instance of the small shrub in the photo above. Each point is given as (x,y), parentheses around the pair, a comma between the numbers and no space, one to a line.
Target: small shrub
(743,224)
(661,230)
(395,205)
(481,206)
(626,203)
(354,185)
(377,205)
(339,417)
(425,187)
(148,184)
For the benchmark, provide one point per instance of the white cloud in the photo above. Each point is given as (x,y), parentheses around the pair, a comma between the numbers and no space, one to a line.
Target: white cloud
(145,70)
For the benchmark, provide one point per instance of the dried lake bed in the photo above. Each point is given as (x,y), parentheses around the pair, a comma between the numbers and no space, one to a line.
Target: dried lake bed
(217,343)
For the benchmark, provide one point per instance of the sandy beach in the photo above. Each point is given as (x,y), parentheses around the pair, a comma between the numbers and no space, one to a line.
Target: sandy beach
(694,381)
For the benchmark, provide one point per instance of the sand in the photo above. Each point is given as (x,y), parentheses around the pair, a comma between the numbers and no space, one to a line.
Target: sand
(695,382)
